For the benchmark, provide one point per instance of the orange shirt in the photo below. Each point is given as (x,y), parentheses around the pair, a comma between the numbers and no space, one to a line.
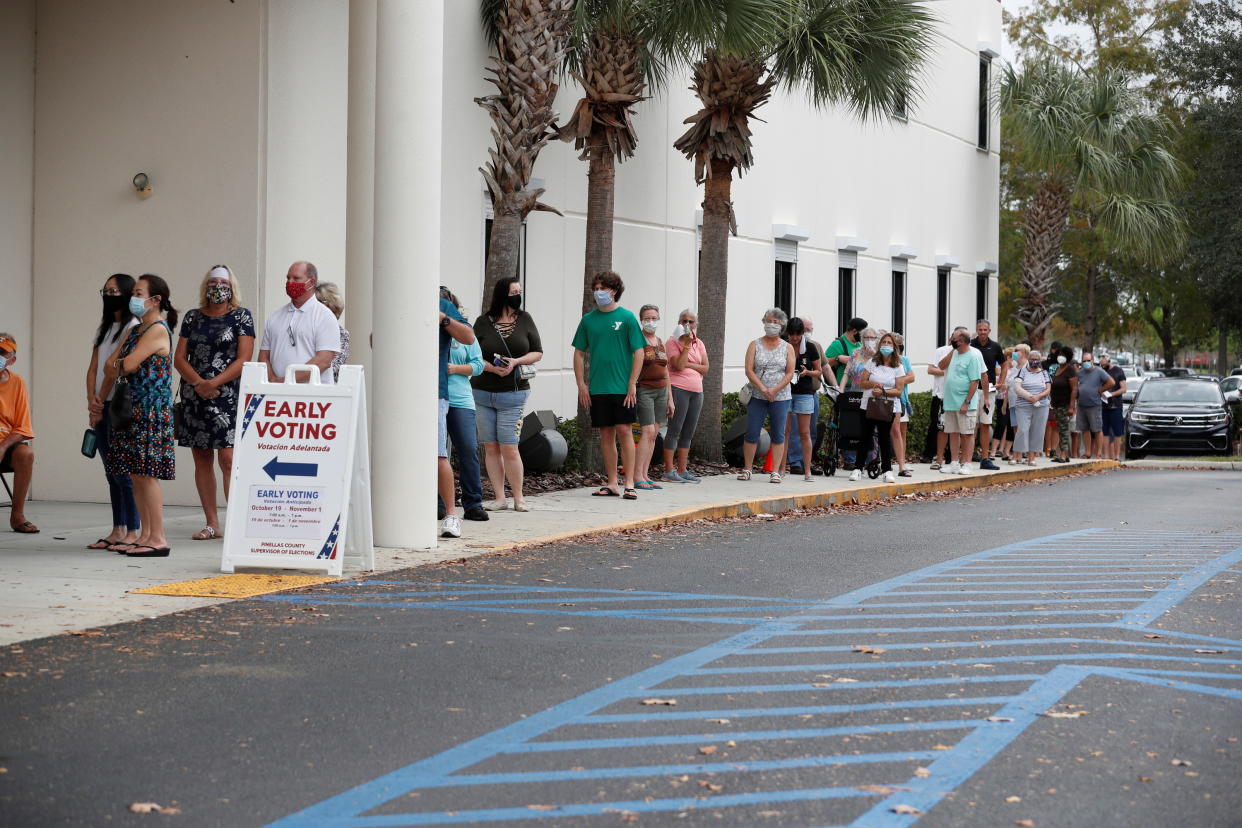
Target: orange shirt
(15,408)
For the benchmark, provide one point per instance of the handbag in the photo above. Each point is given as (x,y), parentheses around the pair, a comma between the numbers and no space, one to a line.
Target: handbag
(525,373)
(879,409)
(745,393)
(121,407)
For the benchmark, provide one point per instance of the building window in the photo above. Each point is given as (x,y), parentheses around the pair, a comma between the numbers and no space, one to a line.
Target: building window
(784,295)
(845,296)
(985,104)
(981,296)
(487,248)
(942,304)
(899,301)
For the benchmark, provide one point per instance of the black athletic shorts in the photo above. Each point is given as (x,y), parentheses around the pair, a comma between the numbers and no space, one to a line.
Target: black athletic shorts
(611,410)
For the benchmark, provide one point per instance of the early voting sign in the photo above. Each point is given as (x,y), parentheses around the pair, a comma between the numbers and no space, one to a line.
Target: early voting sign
(301,475)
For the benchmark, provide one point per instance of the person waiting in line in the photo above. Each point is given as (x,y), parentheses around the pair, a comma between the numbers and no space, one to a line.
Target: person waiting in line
(881,378)
(963,381)
(611,336)
(1053,366)
(655,398)
(1002,434)
(452,327)
(510,344)
(1093,382)
(1064,400)
(1114,419)
(838,354)
(687,364)
(143,448)
(901,424)
(329,294)
(800,457)
(216,340)
(115,323)
(993,355)
(807,374)
(1030,387)
(935,445)
(301,332)
(16,432)
(465,362)
(769,363)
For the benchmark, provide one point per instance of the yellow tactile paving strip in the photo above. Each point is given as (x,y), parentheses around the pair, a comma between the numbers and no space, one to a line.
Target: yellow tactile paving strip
(240,585)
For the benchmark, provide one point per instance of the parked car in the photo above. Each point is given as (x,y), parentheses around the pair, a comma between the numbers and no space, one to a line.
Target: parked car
(1176,372)
(1236,372)
(1152,374)
(1231,387)
(1212,377)
(1134,381)
(1181,414)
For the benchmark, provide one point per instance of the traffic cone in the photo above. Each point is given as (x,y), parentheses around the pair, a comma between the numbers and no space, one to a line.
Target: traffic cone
(767,462)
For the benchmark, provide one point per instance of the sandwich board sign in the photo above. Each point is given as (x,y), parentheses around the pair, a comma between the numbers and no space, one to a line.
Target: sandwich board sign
(301,496)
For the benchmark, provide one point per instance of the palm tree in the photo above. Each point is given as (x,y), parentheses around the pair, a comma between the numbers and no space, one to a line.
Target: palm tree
(530,38)
(862,55)
(1099,150)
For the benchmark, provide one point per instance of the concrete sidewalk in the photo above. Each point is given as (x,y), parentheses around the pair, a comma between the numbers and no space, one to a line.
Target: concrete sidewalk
(51,584)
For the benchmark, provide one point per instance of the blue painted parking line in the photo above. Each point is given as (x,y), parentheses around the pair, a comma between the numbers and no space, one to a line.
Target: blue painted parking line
(846,691)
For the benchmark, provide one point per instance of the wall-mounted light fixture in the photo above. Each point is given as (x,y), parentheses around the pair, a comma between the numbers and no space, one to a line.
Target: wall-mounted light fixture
(142,185)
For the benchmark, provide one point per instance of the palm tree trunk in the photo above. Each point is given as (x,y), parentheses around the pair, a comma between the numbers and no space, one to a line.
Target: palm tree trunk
(504,247)
(1091,323)
(1222,351)
(601,187)
(713,292)
(1044,224)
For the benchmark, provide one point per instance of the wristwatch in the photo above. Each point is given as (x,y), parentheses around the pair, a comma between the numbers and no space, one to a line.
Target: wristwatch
(444,323)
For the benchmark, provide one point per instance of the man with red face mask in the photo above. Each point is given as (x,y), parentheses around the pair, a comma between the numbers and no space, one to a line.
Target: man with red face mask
(303,332)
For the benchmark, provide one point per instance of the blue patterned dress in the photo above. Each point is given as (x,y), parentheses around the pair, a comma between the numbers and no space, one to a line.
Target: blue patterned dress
(146,447)
(211,347)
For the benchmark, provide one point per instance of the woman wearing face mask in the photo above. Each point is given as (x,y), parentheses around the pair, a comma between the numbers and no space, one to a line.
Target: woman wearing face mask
(510,343)
(216,340)
(769,365)
(807,375)
(1064,401)
(902,423)
(687,364)
(881,378)
(116,322)
(144,448)
(1002,435)
(1029,388)
(852,427)
(655,400)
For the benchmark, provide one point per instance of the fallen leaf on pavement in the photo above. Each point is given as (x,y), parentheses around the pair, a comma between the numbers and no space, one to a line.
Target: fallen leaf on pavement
(1065,714)
(711,786)
(880,789)
(941,747)
(999,719)
(707,750)
(863,648)
(1181,762)
(845,681)
(719,721)
(1209,651)
(905,809)
(1152,635)
(922,773)
(151,808)
(542,807)
(1013,799)
(1024,823)
(668,702)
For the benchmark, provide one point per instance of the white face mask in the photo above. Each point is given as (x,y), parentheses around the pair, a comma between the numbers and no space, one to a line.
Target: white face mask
(679,332)
(1060,360)
(650,325)
(771,329)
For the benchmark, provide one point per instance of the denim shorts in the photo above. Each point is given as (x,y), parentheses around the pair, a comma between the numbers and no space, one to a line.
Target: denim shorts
(804,403)
(444,407)
(758,410)
(498,415)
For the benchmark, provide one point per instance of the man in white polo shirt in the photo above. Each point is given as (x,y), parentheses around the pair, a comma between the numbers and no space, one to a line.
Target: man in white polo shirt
(303,332)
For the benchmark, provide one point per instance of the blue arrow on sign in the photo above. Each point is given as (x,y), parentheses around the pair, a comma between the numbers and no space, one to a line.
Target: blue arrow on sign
(274,467)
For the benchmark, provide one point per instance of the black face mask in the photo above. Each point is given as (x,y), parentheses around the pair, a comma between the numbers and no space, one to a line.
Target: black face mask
(1035,365)
(112,304)
(514,302)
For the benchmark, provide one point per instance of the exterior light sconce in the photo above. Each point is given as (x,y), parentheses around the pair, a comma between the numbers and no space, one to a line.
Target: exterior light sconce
(142,185)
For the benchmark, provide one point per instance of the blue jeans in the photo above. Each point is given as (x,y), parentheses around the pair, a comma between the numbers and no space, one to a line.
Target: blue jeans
(461,431)
(120,486)
(795,439)
(757,410)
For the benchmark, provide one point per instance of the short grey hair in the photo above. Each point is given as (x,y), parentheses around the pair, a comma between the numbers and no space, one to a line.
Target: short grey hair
(777,314)
(646,308)
(690,311)
(983,322)
(330,295)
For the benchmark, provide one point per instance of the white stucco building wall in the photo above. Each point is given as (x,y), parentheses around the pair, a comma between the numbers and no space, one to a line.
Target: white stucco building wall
(240,113)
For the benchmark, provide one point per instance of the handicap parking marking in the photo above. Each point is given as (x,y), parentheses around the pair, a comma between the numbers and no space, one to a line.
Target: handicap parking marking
(960,673)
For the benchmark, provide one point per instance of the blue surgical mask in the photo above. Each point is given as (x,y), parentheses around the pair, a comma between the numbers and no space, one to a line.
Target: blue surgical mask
(137,306)
(603,298)
(1086,363)
(886,350)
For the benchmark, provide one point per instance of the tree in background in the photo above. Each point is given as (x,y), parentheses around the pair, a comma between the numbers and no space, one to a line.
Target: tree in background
(864,55)
(530,38)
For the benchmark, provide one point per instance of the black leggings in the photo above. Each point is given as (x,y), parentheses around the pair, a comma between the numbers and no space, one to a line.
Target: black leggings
(884,431)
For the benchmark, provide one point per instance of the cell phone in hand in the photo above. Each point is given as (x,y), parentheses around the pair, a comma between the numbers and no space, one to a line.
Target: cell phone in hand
(499,361)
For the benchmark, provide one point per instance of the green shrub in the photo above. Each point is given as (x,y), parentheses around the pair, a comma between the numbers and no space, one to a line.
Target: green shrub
(916,429)
(569,429)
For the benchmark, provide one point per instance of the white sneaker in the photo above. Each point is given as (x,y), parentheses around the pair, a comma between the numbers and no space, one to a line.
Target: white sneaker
(451,528)
(965,469)
(889,477)
(855,475)
(951,468)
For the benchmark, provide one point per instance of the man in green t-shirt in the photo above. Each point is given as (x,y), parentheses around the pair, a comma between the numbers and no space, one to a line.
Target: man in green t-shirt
(611,335)
(839,352)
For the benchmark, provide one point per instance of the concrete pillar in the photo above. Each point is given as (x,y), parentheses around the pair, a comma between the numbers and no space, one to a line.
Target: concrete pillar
(409,69)
(360,192)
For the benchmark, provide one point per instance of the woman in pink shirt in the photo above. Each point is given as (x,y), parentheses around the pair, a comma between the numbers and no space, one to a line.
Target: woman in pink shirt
(687,363)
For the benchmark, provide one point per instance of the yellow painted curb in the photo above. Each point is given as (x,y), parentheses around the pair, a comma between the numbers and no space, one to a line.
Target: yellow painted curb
(777,505)
(240,585)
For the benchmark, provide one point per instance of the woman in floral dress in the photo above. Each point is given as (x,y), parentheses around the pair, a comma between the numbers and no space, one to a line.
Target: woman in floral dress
(217,338)
(143,449)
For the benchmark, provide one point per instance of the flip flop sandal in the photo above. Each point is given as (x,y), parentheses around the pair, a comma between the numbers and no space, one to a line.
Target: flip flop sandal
(604,491)
(206,533)
(122,548)
(102,543)
(645,485)
(26,528)
(630,494)
(148,552)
